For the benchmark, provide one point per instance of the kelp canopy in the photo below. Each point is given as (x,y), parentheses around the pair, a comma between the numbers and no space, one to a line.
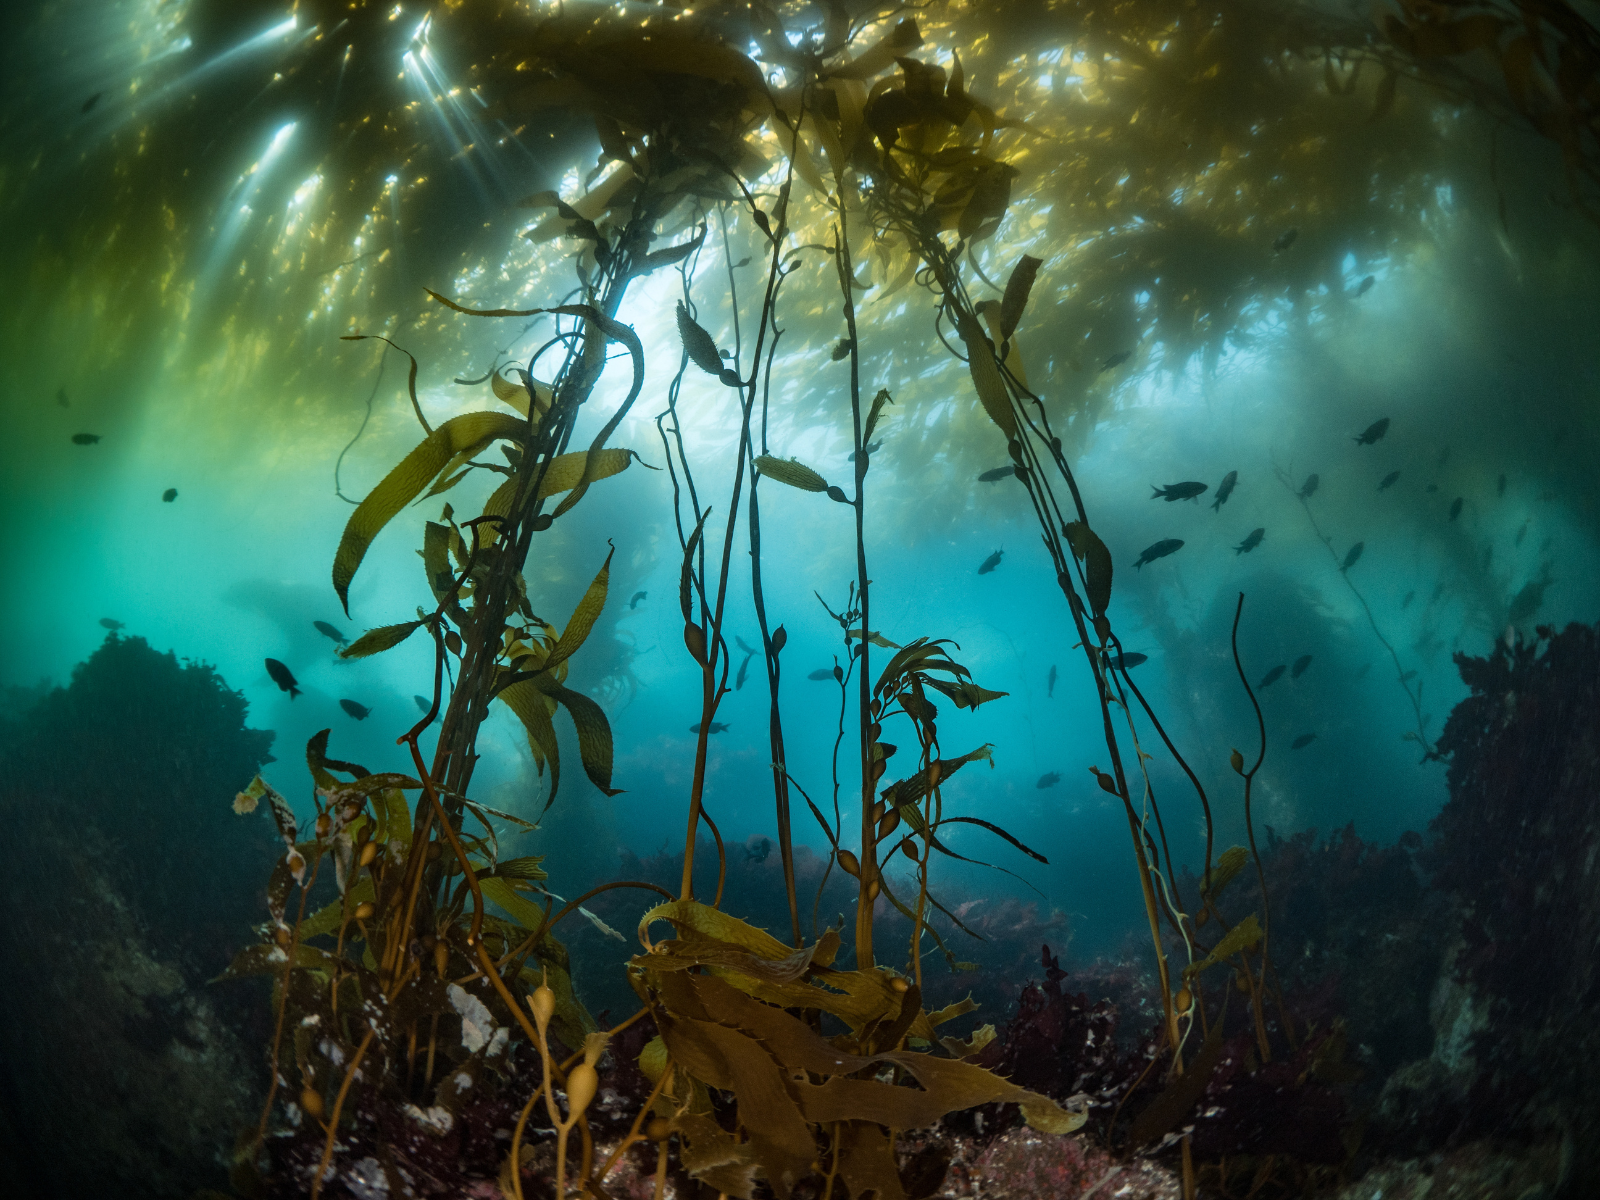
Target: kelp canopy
(884,238)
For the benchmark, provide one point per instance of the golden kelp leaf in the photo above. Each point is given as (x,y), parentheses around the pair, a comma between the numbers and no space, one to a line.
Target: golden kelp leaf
(376,641)
(698,344)
(1016,296)
(1181,1094)
(988,202)
(436,559)
(327,918)
(878,402)
(951,1011)
(675,254)
(714,1156)
(986,377)
(269,959)
(904,37)
(394,817)
(867,1161)
(1241,937)
(594,731)
(703,952)
(1096,572)
(958,1048)
(566,470)
(584,616)
(694,917)
(401,485)
(1229,863)
(796,475)
(522,910)
(532,709)
(526,867)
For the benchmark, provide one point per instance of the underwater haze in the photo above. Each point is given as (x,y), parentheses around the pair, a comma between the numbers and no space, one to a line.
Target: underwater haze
(1308,356)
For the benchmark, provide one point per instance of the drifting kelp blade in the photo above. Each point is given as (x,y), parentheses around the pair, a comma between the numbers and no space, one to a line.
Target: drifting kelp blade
(1229,863)
(986,378)
(376,641)
(267,958)
(401,485)
(796,475)
(1016,295)
(594,731)
(583,617)
(1241,937)
(529,703)
(563,474)
(698,344)
(327,918)
(874,412)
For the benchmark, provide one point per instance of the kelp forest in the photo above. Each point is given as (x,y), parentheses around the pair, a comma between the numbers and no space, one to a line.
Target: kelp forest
(886,279)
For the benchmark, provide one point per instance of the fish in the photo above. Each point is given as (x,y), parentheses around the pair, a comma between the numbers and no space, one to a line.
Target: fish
(1050,689)
(1178,491)
(1354,556)
(1250,543)
(870,448)
(716,727)
(1309,487)
(1366,285)
(637,596)
(1115,361)
(1408,677)
(85,439)
(91,102)
(1455,508)
(1272,676)
(1285,239)
(744,669)
(1305,739)
(108,623)
(1157,550)
(358,711)
(1225,489)
(328,631)
(1500,488)
(1389,480)
(1300,665)
(999,473)
(1373,433)
(1526,602)
(1048,779)
(1126,662)
(283,677)
(1406,603)
(422,703)
(990,563)
(1521,533)
(169,495)
(739,641)
(61,398)
(758,851)
(821,673)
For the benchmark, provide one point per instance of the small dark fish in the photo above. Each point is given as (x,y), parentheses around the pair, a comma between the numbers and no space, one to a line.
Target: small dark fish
(1160,549)
(108,623)
(422,703)
(1048,779)
(1389,480)
(1250,543)
(1366,285)
(1309,487)
(358,711)
(328,631)
(1300,665)
(283,677)
(1272,677)
(1305,739)
(61,398)
(1285,239)
(990,563)
(85,439)
(999,473)
(637,596)
(1521,533)
(1455,508)
(744,670)
(716,727)
(870,448)
(1225,489)
(758,851)
(1051,687)
(1354,556)
(821,673)
(1372,433)
(1126,662)
(1115,361)
(1433,487)
(1526,602)
(169,495)
(1178,491)
(739,641)
(91,102)
(1408,677)
(1406,603)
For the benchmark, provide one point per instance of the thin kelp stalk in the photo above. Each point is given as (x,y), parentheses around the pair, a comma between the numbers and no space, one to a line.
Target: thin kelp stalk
(1415,697)
(868,884)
